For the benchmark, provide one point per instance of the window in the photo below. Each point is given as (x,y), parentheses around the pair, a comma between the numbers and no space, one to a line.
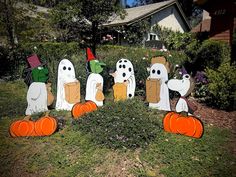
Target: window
(152,37)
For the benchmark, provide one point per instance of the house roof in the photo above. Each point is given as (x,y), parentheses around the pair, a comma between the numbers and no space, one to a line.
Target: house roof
(138,13)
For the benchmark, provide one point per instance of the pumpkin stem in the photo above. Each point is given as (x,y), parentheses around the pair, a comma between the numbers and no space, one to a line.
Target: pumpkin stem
(47,113)
(183,113)
(27,117)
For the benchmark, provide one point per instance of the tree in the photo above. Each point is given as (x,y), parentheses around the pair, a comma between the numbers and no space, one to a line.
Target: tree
(21,21)
(134,33)
(84,18)
(8,19)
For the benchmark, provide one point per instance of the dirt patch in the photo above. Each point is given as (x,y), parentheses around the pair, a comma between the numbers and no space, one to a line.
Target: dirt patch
(116,166)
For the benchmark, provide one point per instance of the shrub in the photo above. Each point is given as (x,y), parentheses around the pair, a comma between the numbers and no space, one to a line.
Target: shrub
(52,53)
(173,40)
(201,90)
(122,124)
(211,54)
(222,86)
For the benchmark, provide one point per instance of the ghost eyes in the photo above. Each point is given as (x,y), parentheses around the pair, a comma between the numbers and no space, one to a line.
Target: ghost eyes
(158,71)
(124,61)
(120,66)
(64,68)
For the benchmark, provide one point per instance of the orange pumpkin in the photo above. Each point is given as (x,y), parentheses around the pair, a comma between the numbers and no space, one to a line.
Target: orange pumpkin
(43,127)
(80,109)
(22,128)
(77,110)
(185,125)
(91,106)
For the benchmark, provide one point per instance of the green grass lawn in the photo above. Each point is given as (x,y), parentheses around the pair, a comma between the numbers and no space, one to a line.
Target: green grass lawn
(81,148)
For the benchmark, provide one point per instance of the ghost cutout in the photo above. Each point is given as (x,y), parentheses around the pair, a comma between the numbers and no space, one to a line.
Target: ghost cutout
(68,87)
(184,87)
(156,84)
(94,86)
(36,98)
(37,95)
(124,79)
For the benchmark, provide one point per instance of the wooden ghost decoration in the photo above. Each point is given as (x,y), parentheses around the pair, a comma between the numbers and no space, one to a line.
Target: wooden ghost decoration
(124,79)
(68,87)
(157,93)
(37,92)
(184,87)
(36,98)
(94,85)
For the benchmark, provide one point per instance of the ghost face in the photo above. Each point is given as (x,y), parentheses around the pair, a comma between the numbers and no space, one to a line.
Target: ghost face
(66,71)
(158,71)
(124,69)
(40,74)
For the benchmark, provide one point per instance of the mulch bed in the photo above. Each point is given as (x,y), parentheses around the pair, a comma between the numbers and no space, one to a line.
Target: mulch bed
(215,117)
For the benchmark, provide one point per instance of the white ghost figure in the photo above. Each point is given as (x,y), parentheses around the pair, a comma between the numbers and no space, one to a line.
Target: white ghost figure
(66,75)
(36,98)
(159,71)
(125,73)
(93,86)
(184,86)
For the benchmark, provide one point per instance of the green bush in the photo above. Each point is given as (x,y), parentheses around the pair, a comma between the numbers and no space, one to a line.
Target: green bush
(52,53)
(173,40)
(210,54)
(122,124)
(222,86)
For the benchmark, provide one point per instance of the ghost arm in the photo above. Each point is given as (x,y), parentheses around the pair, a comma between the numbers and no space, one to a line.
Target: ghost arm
(93,83)
(34,92)
(131,86)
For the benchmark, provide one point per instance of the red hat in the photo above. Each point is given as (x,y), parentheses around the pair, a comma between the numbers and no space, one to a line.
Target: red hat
(90,55)
(34,61)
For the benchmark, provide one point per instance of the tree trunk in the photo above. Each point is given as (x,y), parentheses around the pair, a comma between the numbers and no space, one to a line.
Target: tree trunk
(9,22)
(94,36)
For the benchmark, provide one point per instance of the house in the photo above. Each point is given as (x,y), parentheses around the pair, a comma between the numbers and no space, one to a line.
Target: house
(166,14)
(222,22)
(204,25)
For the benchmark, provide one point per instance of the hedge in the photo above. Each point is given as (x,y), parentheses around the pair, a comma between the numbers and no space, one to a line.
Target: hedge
(52,53)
